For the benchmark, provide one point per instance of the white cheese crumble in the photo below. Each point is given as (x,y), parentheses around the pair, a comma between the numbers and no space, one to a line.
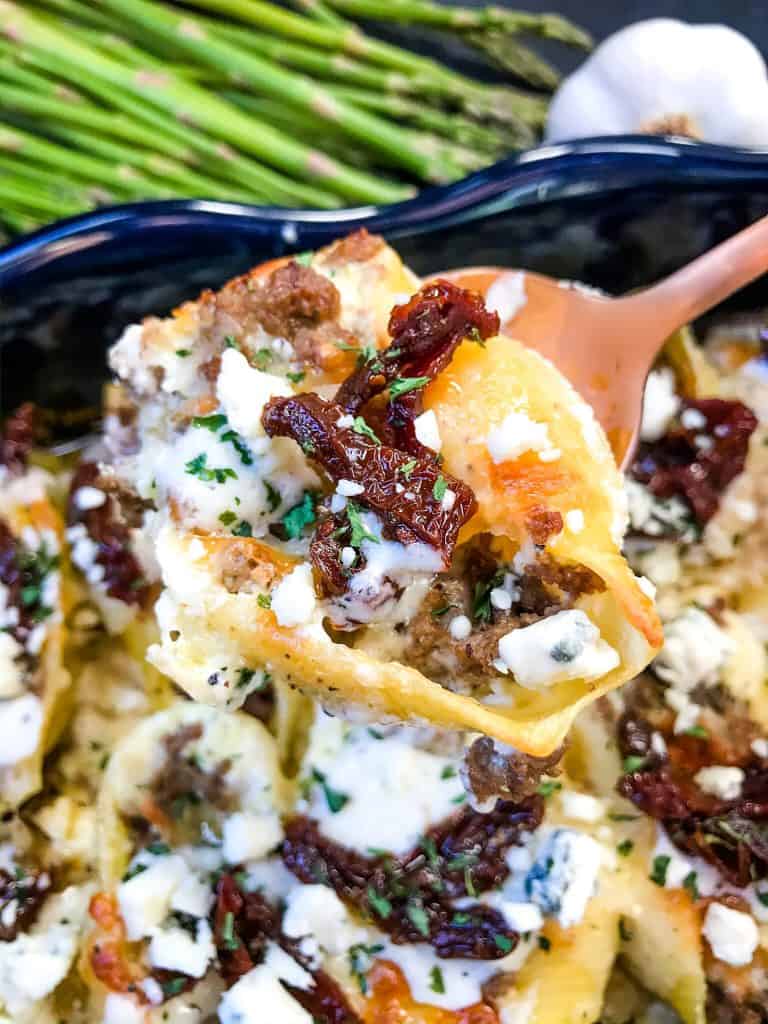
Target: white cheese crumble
(566,645)
(145,899)
(522,917)
(722,781)
(348,488)
(244,391)
(258,996)
(249,836)
(687,712)
(11,675)
(393,791)
(694,651)
(427,430)
(759,747)
(564,875)
(21,722)
(574,520)
(460,627)
(516,435)
(315,913)
(348,557)
(174,949)
(294,599)
(680,867)
(122,1010)
(660,404)
(87,498)
(733,936)
(506,296)
(581,806)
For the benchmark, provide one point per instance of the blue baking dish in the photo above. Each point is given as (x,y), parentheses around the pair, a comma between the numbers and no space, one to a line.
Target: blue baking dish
(615,213)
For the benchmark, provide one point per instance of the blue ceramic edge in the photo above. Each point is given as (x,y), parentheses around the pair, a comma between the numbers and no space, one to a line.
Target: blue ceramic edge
(546,173)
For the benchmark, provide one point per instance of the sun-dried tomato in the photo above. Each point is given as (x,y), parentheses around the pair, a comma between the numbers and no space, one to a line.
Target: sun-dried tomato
(406,492)
(243,924)
(107,528)
(697,464)
(410,898)
(18,437)
(425,333)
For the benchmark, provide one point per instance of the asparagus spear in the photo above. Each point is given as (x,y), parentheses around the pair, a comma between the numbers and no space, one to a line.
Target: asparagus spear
(189,145)
(196,105)
(319,11)
(68,186)
(16,190)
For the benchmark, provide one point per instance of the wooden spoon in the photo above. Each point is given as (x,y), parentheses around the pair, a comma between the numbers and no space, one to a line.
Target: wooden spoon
(606,346)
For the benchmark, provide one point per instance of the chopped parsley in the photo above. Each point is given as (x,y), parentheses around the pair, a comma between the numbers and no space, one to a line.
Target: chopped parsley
(481,601)
(173,986)
(475,336)
(132,872)
(360,962)
(262,358)
(448,772)
(544,943)
(548,786)
(436,982)
(633,763)
(690,883)
(417,915)
(503,942)
(763,897)
(698,731)
(199,467)
(378,903)
(441,486)
(625,847)
(408,467)
(297,377)
(158,848)
(364,354)
(243,529)
(273,496)
(228,931)
(229,342)
(461,918)
(333,797)
(359,530)
(659,870)
(264,600)
(227,518)
(297,519)
(402,385)
(182,353)
(245,675)
(361,427)
(240,446)
(304,259)
(214,422)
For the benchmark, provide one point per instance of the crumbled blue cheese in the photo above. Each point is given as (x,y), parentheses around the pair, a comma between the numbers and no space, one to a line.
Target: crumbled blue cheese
(694,652)
(581,806)
(316,915)
(427,430)
(723,781)
(249,836)
(460,627)
(517,434)
(390,791)
(293,599)
(244,391)
(145,898)
(660,404)
(566,645)
(564,875)
(258,996)
(21,722)
(174,949)
(733,936)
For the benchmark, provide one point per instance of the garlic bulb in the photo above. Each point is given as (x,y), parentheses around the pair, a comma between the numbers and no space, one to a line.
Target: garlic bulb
(663,76)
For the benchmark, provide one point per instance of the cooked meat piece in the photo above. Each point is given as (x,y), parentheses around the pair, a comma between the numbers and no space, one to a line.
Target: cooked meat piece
(505,774)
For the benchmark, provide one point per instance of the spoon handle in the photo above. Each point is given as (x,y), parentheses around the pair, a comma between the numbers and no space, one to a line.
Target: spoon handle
(703,283)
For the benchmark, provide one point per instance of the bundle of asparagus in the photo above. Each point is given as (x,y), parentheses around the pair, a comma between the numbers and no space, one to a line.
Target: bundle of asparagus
(249,101)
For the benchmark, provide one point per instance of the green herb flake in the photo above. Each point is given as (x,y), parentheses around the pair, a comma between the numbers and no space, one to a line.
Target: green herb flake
(763,897)
(378,903)
(245,675)
(243,529)
(227,518)
(228,931)
(359,530)
(159,849)
(408,467)
(361,427)
(544,943)
(691,884)
(274,497)
(240,446)
(304,259)
(333,797)
(417,915)
(262,358)
(469,884)
(460,918)
(625,847)
(214,422)
(297,519)
(476,337)
(229,342)
(297,377)
(198,467)
(441,486)
(402,385)
(182,353)
(633,763)
(549,786)
(504,943)
(436,982)
(360,957)
(448,772)
(659,870)
(264,600)
(698,731)
(173,986)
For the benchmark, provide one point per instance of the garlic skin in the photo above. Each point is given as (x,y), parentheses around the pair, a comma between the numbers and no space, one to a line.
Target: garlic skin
(666,77)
